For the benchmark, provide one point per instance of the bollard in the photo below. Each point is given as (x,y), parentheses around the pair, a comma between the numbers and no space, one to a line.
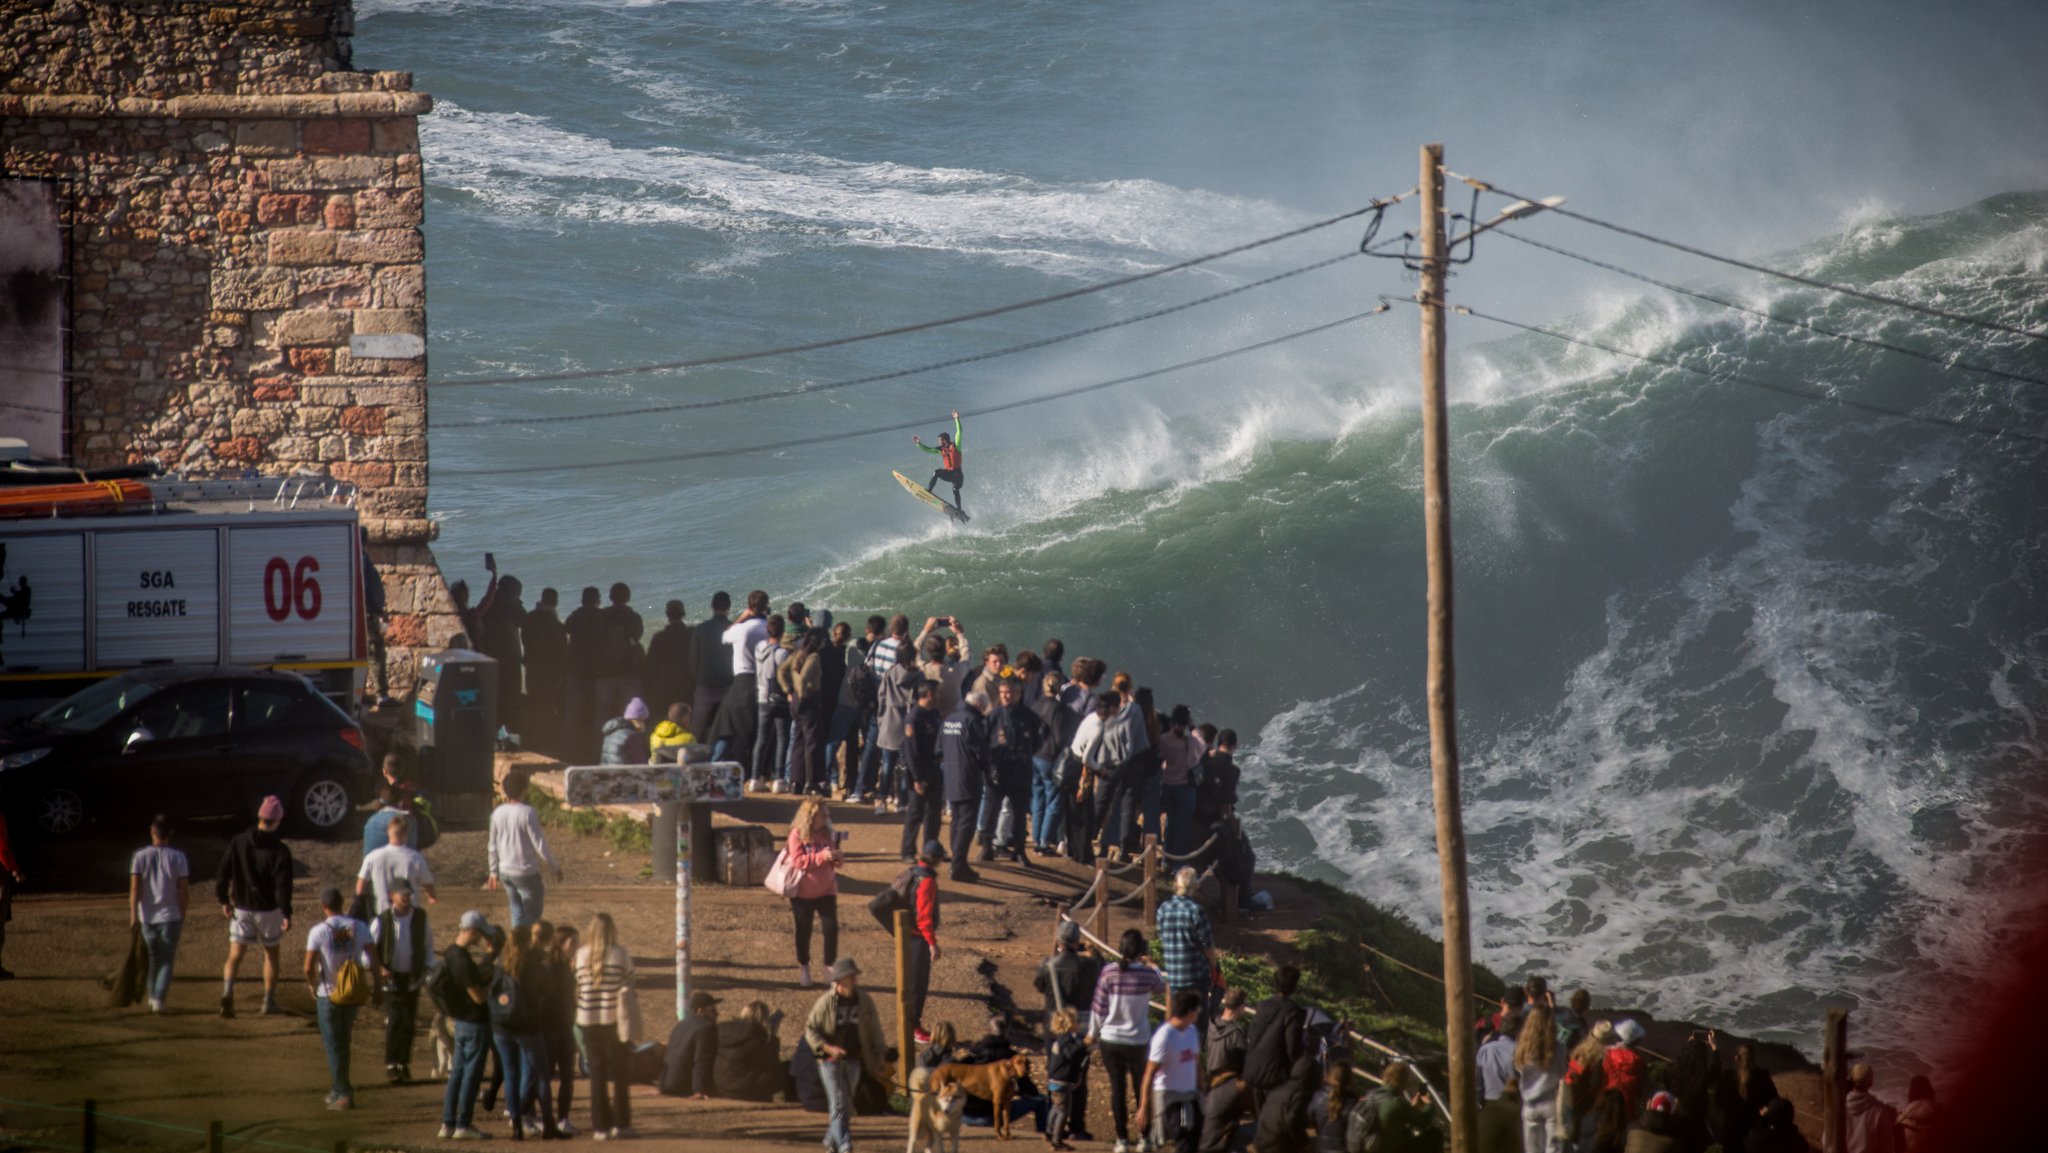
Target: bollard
(88,1126)
(214,1140)
(1151,881)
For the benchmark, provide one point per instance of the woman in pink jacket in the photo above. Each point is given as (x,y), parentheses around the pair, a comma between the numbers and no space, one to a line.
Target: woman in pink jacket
(815,856)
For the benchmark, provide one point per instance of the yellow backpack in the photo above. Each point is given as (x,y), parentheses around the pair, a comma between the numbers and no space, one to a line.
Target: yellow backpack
(351,984)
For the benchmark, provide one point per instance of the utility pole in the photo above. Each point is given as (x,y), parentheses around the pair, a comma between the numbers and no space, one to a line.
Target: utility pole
(1443,733)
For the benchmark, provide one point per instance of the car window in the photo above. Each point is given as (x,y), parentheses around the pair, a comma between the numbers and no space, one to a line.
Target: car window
(199,710)
(263,706)
(89,708)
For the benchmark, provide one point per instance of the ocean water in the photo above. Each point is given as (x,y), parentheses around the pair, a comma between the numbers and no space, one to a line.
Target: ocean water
(1751,689)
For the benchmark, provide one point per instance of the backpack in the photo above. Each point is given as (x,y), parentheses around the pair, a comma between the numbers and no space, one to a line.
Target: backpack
(897,896)
(1362,1123)
(442,991)
(507,1001)
(351,984)
(863,684)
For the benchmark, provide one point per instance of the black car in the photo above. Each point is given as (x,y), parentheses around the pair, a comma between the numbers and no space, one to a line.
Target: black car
(185,741)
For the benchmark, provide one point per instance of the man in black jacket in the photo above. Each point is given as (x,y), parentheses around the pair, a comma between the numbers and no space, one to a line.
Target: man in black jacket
(963,757)
(1275,1042)
(1014,735)
(688,1067)
(922,770)
(254,888)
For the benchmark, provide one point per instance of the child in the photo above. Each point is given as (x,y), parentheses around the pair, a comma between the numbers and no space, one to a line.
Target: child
(1066,1066)
(672,734)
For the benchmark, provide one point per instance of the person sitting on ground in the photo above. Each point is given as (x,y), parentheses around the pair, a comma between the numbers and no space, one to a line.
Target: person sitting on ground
(942,1049)
(1657,1132)
(994,1044)
(1500,1119)
(1873,1126)
(669,737)
(689,1064)
(621,736)
(749,1065)
(1776,1131)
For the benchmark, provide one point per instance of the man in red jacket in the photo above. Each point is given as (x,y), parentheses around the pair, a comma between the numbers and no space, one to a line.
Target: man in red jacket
(924,937)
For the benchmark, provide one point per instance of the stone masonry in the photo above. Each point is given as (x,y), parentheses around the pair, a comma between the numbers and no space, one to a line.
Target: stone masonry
(243,209)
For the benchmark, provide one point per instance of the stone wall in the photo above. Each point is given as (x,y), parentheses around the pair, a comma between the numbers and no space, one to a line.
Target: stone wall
(248,287)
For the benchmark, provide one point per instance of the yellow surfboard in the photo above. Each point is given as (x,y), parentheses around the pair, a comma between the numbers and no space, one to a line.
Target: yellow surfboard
(917,490)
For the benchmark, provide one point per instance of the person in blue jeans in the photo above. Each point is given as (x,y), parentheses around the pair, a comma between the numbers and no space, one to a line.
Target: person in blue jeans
(844,1031)
(1048,800)
(159,891)
(464,990)
(1180,752)
(335,941)
(519,992)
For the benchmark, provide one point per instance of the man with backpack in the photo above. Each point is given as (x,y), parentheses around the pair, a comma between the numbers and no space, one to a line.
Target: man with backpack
(460,987)
(1277,1039)
(338,973)
(1394,1118)
(403,942)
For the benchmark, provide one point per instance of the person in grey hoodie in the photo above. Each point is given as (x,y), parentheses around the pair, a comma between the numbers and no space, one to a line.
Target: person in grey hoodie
(1873,1126)
(1124,743)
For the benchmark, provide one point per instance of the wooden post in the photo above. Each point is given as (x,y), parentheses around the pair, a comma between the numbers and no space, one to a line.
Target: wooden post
(88,1126)
(906,1047)
(1151,881)
(1101,927)
(215,1142)
(341,1145)
(1229,902)
(1834,1083)
(1443,733)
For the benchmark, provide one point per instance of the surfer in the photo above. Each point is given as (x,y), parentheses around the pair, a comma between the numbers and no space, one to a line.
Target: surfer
(950,444)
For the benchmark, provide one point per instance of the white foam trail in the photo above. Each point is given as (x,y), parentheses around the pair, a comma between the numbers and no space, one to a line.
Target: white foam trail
(524,166)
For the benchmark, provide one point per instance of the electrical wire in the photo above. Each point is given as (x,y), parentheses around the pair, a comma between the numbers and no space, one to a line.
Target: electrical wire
(1773,318)
(1752,382)
(1810,282)
(1377,206)
(825,438)
(955,362)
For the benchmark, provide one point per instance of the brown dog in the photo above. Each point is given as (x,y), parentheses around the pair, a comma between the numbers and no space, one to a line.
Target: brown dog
(934,1113)
(996,1083)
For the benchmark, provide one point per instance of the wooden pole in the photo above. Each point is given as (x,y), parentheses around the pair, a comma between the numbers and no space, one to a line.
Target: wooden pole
(88,1126)
(906,1048)
(215,1140)
(1443,733)
(1101,929)
(1151,880)
(1834,1083)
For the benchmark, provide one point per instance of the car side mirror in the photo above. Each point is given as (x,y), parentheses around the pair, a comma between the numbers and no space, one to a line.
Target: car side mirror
(137,739)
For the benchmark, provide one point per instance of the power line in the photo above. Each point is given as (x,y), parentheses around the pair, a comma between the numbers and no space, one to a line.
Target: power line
(1772,317)
(798,442)
(1768,386)
(1810,282)
(955,362)
(1378,205)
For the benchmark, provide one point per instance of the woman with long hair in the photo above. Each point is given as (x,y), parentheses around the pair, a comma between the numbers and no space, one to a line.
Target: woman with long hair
(813,852)
(1120,1024)
(1540,1067)
(1585,1076)
(561,1026)
(518,993)
(1332,1105)
(1740,1095)
(605,1024)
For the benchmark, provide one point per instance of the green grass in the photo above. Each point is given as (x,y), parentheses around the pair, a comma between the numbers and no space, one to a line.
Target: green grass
(624,834)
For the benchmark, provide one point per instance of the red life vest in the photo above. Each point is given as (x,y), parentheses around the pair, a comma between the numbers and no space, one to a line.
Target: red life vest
(949,455)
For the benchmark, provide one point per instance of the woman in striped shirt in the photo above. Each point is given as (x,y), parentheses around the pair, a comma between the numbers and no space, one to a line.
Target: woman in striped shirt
(1120,1024)
(604,1024)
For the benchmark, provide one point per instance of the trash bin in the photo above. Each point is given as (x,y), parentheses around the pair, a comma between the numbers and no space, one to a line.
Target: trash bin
(457,715)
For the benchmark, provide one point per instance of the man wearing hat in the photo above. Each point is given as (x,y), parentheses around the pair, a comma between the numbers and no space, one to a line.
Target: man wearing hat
(468,986)
(687,1067)
(843,1031)
(254,888)
(403,940)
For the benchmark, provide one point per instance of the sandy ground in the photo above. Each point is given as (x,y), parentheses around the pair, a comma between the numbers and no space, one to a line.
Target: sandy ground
(264,1077)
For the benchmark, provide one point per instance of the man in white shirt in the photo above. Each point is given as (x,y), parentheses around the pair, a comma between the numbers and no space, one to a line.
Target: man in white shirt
(737,723)
(518,849)
(333,942)
(159,889)
(403,947)
(1167,1099)
(394,861)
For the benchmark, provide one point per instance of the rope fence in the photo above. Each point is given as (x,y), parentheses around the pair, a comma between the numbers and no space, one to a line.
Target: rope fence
(91,1138)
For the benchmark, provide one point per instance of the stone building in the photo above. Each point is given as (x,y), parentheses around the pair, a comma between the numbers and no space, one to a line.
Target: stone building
(237,215)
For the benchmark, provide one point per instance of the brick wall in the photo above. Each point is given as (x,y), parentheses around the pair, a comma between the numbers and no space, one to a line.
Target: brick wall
(243,210)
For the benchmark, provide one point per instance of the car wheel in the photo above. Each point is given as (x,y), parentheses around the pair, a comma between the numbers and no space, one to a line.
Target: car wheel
(321,805)
(59,811)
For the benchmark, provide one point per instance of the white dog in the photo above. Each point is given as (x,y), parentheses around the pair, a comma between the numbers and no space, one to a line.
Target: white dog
(934,1114)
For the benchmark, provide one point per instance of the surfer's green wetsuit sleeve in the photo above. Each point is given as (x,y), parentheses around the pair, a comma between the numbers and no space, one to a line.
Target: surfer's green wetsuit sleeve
(927,448)
(959,438)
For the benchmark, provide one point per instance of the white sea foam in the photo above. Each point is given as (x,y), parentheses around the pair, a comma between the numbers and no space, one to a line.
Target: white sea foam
(525,166)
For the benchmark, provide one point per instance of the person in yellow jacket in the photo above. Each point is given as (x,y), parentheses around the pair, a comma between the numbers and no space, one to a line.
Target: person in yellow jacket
(673,732)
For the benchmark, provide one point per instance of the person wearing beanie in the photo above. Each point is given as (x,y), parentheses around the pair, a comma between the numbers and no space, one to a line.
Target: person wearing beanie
(1657,1132)
(844,1032)
(624,742)
(517,850)
(254,888)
